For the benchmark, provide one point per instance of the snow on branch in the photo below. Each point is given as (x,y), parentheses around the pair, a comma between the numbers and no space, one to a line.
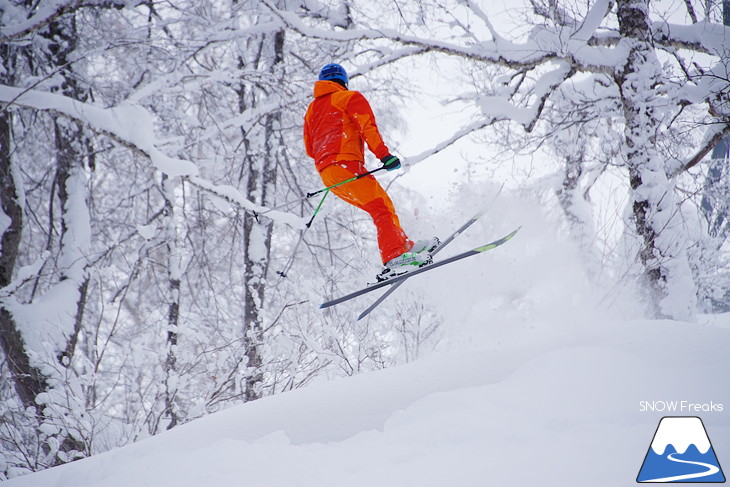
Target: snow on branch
(705,37)
(500,108)
(132,126)
(580,48)
(458,135)
(484,18)
(506,54)
(592,20)
(232,196)
(48,11)
(46,14)
(24,275)
(554,13)
(393,56)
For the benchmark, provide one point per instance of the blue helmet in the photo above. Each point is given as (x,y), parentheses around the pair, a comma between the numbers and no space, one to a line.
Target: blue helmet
(333,72)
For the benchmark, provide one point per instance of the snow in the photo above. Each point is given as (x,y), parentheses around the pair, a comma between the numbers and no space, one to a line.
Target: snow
(592,21)
(5,221)
(232,195)
(133,125)
(49,9)
(503,414)
(129,123)
(147,232)
(689,430)
(533,383)
(77,240)
(710,36)
(48,321)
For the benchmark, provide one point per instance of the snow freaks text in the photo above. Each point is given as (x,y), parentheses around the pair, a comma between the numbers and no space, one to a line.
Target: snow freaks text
(680,407)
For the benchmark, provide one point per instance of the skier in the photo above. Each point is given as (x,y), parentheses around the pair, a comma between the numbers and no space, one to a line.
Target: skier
(337,125)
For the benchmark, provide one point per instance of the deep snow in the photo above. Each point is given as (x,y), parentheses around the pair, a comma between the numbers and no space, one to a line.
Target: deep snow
(537,380)
(567,414)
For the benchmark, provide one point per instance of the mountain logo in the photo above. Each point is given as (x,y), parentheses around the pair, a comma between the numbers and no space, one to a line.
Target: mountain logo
(681,452)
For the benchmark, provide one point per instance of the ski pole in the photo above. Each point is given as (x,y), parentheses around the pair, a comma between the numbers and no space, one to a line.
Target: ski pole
(316,210)
(329,188)
(309,195)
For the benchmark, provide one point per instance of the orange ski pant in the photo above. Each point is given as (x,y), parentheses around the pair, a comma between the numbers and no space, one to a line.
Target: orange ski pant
(367,194)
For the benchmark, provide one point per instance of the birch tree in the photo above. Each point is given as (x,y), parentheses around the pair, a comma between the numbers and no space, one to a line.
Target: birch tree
(154,266)
(631,61)
(67,246)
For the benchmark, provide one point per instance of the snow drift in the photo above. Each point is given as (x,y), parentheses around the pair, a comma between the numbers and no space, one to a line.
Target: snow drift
(565,412)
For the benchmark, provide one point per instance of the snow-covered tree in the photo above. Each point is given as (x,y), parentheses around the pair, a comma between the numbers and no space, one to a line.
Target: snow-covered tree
(659,74)
(155,263)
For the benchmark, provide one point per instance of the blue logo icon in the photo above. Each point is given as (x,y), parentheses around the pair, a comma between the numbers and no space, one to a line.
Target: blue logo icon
(681,452)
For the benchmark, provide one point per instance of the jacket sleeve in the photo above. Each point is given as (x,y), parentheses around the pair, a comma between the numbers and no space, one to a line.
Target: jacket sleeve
(359,110)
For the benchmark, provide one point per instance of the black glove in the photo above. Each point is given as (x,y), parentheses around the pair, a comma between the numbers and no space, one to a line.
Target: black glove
(390,162)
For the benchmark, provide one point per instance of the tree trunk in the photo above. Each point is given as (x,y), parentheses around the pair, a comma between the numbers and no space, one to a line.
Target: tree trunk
(715,202)
(260,186)
(72,196)
(173,307)
(72,192)
(654,209)
(568,196)
(28,380)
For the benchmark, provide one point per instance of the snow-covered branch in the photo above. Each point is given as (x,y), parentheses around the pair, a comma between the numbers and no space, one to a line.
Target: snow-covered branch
(592,20)
(704,37)
(500,108)
(457,136)
(132,126)
(506,54)
(50,11)
(232,196)
(391,57)
(46,14)
(580,47)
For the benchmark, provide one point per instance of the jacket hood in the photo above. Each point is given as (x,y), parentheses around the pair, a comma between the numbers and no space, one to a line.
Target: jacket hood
(325,87)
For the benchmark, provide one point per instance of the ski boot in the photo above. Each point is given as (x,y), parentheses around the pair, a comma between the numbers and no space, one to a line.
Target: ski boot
(428,245)
(418,256)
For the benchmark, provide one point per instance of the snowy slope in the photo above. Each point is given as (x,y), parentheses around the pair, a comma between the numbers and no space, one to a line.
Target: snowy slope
(565,415)
(533,383)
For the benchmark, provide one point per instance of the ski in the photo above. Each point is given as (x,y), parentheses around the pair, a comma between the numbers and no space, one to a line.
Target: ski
(443,244)
(421,270)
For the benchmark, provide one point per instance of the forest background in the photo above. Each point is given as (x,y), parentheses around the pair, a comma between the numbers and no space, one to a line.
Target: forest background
(155,262)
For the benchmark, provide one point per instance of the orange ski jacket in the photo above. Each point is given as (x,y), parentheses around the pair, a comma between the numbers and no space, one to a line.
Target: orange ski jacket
(337,125)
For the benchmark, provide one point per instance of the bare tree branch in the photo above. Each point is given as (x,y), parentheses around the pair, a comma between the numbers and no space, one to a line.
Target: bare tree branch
(709,144)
